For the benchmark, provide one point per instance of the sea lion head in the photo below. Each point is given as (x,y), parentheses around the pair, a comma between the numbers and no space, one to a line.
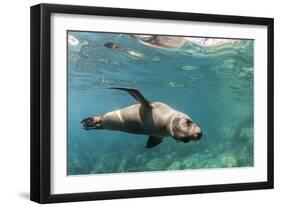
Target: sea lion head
(184,129)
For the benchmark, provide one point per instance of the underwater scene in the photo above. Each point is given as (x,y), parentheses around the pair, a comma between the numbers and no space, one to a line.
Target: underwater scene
(204,118)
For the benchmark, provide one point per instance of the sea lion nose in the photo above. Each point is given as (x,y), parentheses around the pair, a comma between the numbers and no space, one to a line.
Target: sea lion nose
(199,135)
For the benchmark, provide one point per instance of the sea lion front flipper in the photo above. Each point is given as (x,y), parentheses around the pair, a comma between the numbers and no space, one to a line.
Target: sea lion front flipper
(135,93)
(153,141)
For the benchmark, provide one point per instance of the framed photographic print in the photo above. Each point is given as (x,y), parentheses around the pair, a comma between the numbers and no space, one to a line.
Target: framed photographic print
(132,103)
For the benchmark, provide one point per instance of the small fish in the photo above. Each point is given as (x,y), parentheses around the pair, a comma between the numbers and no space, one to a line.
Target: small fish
(134,54)
(111,45)
(234,87)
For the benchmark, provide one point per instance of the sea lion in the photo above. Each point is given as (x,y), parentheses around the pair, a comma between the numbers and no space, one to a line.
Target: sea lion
(155,119)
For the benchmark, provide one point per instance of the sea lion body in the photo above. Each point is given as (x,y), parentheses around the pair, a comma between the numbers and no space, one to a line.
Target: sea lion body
(138,120)
(156,119)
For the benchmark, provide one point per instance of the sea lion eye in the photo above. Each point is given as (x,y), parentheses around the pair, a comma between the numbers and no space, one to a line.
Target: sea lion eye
(188,122)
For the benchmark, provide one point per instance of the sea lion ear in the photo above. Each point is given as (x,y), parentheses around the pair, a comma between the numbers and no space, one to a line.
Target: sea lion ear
(176,123)
(153,141)
(174,127)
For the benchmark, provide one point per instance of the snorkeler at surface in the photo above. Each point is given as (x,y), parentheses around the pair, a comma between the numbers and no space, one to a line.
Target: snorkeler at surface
(158,41)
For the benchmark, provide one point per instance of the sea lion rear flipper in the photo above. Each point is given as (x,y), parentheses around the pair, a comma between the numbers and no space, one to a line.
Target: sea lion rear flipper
(153,141)
(92,123)
(136,94)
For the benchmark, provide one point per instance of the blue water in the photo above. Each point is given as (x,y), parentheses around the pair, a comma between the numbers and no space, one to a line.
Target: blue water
(212,85)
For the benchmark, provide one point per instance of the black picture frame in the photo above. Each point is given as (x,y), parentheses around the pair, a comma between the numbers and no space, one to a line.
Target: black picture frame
(41,98)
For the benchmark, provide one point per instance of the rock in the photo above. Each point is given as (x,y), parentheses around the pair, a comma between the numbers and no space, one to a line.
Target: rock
(188,163)
(98,168)
(246,132)
(174,166)
(229,64)
(139,159)
(229,161)
(241,75)
(122,166)
(212,163)
(156,59)
(171,156)
(228,132)
(155,164)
